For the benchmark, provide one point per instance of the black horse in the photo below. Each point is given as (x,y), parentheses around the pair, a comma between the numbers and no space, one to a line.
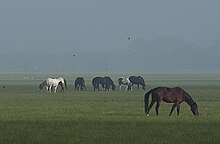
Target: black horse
(170,95)
(80,83)
(106,82)
(96,81)
(138,80)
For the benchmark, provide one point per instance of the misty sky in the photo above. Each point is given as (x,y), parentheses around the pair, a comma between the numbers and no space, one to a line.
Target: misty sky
(52,26)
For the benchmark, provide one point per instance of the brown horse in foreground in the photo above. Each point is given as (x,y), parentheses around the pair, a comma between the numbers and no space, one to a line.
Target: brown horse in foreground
(170,95)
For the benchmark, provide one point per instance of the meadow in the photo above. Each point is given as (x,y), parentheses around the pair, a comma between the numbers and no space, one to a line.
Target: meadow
(89,117)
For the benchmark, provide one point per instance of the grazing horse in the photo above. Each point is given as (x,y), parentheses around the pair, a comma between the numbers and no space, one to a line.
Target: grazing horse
(80,83)
(138,80)
(98,80)
(125,82)
(108,82)
(53,83)
(170,95)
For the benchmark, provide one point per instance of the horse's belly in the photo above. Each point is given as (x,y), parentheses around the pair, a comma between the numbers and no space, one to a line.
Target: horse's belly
(168,100)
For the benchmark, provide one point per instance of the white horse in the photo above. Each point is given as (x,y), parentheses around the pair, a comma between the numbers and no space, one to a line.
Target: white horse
(52,83)
(125,82)
(62,83)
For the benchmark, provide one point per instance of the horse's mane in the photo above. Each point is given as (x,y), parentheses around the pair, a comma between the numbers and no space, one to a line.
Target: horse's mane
(187,96)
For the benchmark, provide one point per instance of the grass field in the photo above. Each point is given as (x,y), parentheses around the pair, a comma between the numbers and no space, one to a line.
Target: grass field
(90,117)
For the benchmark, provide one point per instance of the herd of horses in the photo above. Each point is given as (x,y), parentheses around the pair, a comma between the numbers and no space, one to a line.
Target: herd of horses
(174,95)
(106,83)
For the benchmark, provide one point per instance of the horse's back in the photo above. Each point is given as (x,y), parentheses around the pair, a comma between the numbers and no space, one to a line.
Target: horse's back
(77,80)
(126,81)
(136,80)
(80,80)
(97,79)
(49,81)
(169,95)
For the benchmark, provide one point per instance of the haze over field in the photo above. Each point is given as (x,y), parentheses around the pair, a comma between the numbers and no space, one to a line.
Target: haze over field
(116,35)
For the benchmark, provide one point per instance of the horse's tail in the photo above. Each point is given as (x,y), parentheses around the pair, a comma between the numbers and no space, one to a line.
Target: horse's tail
(94,83)
(65,83)
(146,100)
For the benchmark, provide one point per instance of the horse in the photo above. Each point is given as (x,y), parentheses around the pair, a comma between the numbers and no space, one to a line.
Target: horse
(174,95)
(125,82)
(138,80)
(80,83)
(62,83)
(98,80)
(108,82)
(53,83)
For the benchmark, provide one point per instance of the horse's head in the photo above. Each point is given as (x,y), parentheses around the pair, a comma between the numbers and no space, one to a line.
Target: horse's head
(194,109)
(144,86)
(113,87)
(120,80)
(40,87)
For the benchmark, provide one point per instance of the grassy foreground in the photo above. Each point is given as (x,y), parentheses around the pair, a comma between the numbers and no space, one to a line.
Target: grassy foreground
(29,116)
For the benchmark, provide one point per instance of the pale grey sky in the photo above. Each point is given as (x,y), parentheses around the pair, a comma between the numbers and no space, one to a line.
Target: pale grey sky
(53,26)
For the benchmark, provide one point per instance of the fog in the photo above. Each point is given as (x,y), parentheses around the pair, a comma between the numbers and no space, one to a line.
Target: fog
(104,35)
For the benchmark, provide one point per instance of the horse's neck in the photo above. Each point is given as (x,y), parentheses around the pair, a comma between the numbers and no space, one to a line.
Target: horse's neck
(189,99)
(44,83)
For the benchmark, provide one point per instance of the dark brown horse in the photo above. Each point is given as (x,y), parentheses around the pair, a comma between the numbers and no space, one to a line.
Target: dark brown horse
(170,95)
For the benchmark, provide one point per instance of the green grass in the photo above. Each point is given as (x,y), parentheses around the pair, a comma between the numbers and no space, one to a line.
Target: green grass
(29,116)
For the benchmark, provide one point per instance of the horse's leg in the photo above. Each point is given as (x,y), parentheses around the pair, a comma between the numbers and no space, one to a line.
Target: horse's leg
(98,87)
(157,107)
(94,87)
(150,106)
(126,88)
(50,89)
(173,107)
(178,109)
(138,86)
(55,89)
(62,89)
(47,88)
